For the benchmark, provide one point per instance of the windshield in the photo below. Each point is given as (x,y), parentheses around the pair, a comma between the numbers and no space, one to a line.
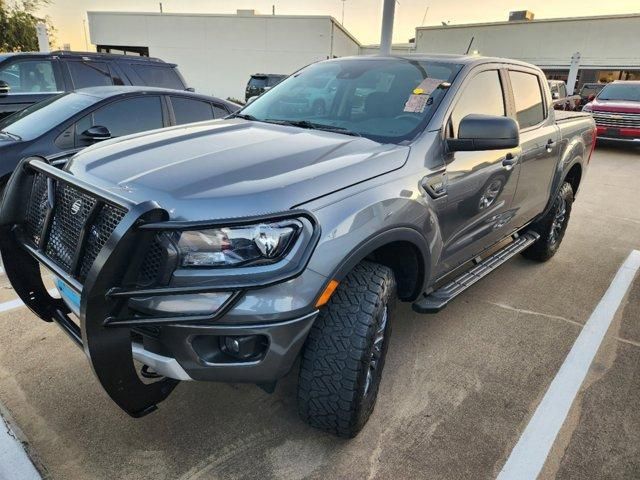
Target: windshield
(621,91)
(38,119)
(385,100)
(258,82)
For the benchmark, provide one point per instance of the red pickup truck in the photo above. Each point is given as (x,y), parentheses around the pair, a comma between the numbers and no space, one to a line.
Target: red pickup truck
(616,111)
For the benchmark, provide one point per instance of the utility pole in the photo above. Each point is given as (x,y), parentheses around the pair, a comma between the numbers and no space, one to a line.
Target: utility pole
(386,36)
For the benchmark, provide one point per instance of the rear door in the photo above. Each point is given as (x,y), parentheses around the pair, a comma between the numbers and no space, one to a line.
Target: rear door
(539,137)
(479,187)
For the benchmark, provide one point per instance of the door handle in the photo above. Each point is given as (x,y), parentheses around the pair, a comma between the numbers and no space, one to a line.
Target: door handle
(550,144)
(510,160)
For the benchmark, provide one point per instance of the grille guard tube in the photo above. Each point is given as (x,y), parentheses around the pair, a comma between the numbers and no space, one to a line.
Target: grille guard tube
(108,349)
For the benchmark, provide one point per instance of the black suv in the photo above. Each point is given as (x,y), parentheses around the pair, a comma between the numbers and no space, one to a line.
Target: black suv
(28,78)
(260,83)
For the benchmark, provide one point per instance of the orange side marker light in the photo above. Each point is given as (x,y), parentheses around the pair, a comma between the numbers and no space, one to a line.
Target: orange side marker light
(328,292)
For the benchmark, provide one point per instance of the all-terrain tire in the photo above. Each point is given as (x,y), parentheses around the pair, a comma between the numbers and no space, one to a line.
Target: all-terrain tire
(344,355)
(552,226)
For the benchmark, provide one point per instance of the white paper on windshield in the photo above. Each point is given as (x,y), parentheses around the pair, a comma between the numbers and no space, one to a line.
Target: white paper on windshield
(417,101)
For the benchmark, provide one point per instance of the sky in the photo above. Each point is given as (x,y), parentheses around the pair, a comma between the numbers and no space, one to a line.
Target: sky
(361,17)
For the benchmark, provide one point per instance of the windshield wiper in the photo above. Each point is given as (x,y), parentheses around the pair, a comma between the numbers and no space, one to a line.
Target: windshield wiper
(314,126)
(244,116)
(11,135)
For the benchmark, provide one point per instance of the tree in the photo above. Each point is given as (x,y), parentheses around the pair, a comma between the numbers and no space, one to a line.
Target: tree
(18,21)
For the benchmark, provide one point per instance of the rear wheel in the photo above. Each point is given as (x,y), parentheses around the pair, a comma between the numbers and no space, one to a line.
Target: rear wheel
(552,226)
(344,355)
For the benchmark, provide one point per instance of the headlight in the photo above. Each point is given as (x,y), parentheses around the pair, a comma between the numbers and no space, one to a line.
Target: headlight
(235,246)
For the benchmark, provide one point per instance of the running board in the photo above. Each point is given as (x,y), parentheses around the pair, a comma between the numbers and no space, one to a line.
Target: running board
(437,300)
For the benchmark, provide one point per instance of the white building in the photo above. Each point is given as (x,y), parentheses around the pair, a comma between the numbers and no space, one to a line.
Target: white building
(218,53)
(608,45)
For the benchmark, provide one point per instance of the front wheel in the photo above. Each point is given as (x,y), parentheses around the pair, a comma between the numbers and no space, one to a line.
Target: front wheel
(344,355)
(552,226)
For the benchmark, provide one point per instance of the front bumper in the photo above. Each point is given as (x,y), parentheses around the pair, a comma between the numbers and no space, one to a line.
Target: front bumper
(182,346)
(626,134)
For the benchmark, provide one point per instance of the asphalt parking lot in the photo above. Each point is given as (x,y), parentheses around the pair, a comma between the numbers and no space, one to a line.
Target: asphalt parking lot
(459,387)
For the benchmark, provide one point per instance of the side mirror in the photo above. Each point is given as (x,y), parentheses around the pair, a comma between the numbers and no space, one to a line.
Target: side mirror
(4,87)
(485,132)
(555,95)
(97,133)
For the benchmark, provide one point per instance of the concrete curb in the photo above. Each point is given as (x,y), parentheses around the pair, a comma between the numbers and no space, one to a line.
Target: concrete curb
(14,461)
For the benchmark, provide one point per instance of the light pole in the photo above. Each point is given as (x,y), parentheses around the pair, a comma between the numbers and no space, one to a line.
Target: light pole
(342,22)
(386,37)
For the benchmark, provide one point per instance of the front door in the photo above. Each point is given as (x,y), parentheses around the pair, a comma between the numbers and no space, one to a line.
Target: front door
(479,185)
(27,81)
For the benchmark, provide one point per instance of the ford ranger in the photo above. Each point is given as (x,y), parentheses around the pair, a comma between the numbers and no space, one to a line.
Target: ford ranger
(226,250)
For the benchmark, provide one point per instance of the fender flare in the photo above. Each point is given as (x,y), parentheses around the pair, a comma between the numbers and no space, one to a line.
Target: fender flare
(377,240)
(561,174)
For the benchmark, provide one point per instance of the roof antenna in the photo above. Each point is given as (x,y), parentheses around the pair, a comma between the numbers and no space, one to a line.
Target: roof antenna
(469,47)
(424,17)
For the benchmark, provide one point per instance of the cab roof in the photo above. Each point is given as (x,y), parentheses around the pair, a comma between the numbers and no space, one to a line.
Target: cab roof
(443,58)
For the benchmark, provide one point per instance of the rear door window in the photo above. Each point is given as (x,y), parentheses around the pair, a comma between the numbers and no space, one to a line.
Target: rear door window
(124,117)
(89,74)
(29,76)
(156,76)
(187,110)
(528,98)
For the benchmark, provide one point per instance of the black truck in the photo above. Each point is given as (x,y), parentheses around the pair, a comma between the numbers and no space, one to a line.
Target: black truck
(224,251)
(28,78)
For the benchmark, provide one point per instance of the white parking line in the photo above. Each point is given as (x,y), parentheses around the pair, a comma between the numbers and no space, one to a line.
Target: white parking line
(17,303)
(530,453)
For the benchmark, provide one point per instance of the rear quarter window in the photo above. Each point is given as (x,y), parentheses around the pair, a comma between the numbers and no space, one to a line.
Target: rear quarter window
(157,76)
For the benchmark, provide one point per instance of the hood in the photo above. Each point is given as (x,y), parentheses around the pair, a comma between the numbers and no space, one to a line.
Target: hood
(615,106)
(233,168)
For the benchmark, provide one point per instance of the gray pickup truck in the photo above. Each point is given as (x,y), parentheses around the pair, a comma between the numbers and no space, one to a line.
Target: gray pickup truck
(226,250)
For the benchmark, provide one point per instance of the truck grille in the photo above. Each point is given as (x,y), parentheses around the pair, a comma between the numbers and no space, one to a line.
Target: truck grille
(617,120)
(72,210)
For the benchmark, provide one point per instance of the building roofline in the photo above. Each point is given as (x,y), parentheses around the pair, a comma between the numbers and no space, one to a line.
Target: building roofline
(527,22)
(230,15)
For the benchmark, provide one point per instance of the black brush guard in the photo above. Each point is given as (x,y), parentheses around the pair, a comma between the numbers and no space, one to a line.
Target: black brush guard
(105,323)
